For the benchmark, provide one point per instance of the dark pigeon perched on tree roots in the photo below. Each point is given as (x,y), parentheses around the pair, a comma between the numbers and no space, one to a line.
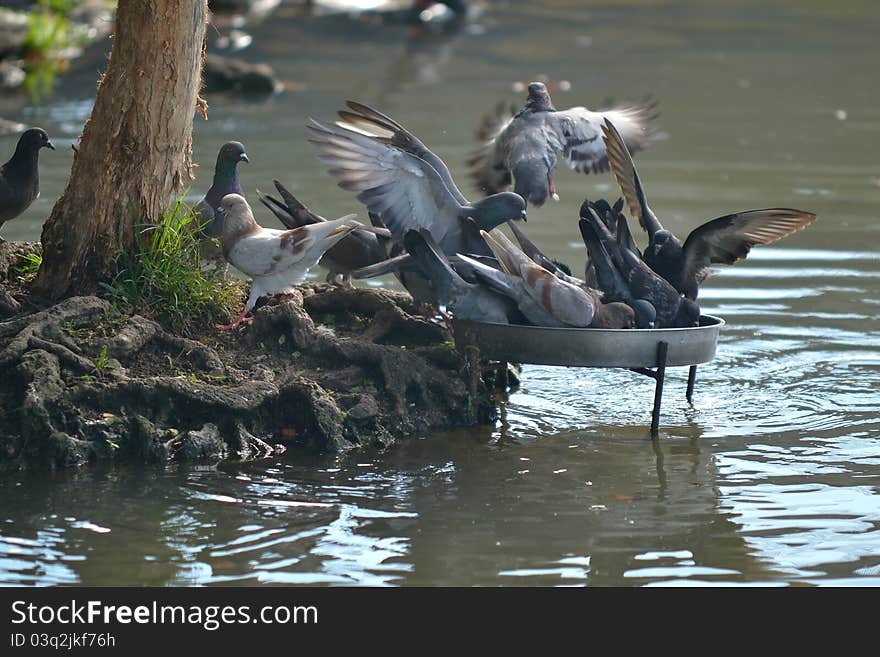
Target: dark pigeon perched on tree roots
(20,177)
(672,309)
(377,158)
(521,148)
(360,248)
(225,182)
(719,241)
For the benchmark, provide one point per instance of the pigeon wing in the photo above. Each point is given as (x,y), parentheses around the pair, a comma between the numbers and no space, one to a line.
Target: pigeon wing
(386,129)
(405,190)
(488,163)
(625,172)
(580,133)
(730,238)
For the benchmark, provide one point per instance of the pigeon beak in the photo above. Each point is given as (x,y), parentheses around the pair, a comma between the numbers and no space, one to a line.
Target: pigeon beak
(523,216)
(50,145)
(244,158)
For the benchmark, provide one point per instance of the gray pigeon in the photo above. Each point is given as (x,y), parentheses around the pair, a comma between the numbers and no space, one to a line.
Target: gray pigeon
(723,240)
(405,190)
(360,248)
(19,177)
(522,148)
(568,304)
(463,299)
(225,182)
(277,260)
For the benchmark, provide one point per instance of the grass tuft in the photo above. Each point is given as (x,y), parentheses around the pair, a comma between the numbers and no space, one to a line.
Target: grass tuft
(166,278)
(27,266)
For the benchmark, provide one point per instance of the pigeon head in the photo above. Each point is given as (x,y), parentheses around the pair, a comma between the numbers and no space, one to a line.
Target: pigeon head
(614,315)
(539,98)
(645,313)
(688,314)
(231,153)
(533,180)
(661,237)
(494,210)
(237,217)
(32,140)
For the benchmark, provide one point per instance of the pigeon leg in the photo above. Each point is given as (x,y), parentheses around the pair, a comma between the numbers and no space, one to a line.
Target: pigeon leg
(448,321)
(241,319)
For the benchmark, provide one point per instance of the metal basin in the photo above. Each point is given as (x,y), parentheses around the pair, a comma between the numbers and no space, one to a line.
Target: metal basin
(591,347)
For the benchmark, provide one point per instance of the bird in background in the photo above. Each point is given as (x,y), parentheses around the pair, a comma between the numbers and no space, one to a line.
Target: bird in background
(276,260)
(360,248)
(226,181)
(521,148)
(20,176)
(724,240)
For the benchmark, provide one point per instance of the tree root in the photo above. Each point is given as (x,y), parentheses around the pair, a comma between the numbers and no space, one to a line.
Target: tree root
(327,368)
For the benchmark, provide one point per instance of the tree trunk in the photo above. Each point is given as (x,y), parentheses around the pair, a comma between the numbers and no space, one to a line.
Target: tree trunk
(136,148)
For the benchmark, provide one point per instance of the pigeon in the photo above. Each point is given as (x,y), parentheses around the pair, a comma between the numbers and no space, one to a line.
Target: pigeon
(406,190)
(724,240)
(568,305)
(464,300)
(559,269)
(510,285)
(360,248)
(600,268)
(277,260)
(19,177)
(672,310)
(521,148)
(225,182)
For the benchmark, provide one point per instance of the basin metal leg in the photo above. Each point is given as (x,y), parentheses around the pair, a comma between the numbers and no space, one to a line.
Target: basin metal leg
(692,377)
(659,376)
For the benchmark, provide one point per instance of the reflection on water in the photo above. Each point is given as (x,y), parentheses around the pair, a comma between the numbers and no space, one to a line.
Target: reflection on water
(771,477)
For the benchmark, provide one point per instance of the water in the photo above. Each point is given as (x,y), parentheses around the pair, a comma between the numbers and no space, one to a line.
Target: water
(771,477)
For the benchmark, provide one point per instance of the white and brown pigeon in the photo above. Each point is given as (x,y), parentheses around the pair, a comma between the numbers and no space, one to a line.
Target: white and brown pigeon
(521,148)
(276,260)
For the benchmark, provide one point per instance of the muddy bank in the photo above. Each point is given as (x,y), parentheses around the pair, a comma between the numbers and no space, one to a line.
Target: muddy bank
(328,368)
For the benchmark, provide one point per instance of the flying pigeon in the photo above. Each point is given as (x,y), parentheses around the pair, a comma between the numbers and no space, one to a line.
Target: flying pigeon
(521,148)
